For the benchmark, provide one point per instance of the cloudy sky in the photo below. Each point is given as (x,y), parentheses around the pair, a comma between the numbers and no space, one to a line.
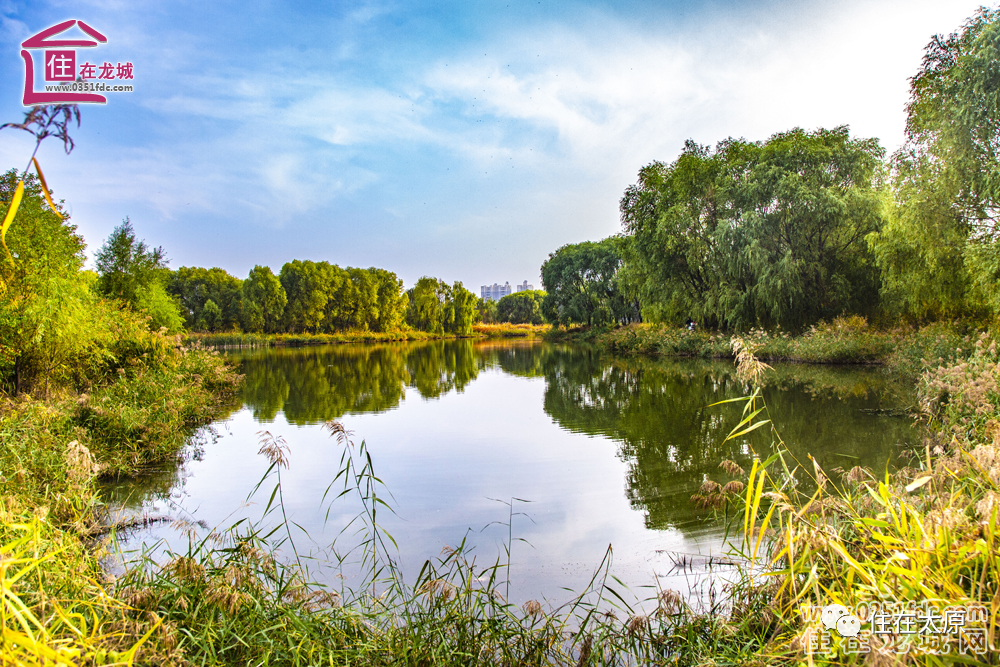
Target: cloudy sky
(463,140)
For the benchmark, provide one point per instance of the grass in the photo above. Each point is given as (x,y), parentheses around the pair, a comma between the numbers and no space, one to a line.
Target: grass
(243,340)
(845,340)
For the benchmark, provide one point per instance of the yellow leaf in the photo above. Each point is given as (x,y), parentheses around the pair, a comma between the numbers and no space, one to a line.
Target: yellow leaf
(917,483)
(9,218)
(45,188)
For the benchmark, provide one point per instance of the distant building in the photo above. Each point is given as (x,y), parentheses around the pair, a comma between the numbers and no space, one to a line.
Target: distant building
(495,292)
(524,286)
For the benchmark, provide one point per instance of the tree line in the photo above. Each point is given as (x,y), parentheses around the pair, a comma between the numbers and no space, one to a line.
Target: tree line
(305,296)
(809,225)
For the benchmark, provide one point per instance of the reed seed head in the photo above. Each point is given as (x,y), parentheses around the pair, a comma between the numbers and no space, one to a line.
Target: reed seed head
(732,468)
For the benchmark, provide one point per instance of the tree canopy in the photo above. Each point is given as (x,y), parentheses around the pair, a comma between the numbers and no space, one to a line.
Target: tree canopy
(757,233)
(136,274)
(584,285)
(523,307)
(938,252)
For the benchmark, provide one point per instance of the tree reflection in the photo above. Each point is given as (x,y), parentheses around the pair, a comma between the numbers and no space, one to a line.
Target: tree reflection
(312,385)
(658,411)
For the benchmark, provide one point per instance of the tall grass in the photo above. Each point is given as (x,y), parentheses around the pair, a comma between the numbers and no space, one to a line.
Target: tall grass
(926,535)
(845,340)
(227,599)
(250,340)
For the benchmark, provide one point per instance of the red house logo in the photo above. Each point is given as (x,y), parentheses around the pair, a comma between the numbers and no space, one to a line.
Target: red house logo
(60,67)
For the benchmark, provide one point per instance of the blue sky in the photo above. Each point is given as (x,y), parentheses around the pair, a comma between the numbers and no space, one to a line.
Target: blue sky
(463,140)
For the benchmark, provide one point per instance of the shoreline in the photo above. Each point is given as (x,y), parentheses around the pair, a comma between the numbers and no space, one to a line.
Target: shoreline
(479,331)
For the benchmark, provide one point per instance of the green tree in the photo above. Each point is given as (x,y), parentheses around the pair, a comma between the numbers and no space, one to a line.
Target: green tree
(194,287)
(391,301)
(425,309)
(307,287)
(939,251)
(135,274)
(521,307)
(263,300)
(757,233)
(47,322)
(581,282)
(460,310)
(487,309)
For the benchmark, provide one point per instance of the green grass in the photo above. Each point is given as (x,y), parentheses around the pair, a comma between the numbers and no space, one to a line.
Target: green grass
(846,340)
(243,340)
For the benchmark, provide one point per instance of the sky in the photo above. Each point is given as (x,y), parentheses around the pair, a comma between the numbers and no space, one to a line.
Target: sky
(461,140)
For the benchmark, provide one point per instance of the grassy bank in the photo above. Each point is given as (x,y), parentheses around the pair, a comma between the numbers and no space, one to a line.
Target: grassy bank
(55,608)
(847,340)
(925,535)
(242,340)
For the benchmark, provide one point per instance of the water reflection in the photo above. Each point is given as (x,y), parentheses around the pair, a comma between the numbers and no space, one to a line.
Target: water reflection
(660,413)
(657,411)
(608,450)
(312,385)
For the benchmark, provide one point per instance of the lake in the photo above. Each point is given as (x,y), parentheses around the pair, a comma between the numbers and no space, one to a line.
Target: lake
(576,450)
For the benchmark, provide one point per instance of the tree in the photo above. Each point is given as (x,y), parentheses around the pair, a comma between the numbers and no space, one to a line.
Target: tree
(757,233)
(47,308)
(263,300)
(194,287)
(425,309)
(581,282)
(390,301)
(460,310)
(487,310)
(125,263)
(523,307)
(135,274)
(939,251)
(306,286)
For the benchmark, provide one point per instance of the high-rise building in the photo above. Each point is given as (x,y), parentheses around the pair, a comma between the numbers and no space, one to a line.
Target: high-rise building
(524,286)
(495,292)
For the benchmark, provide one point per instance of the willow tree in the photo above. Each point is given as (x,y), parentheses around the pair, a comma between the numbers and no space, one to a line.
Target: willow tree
(939,251)
(758,233)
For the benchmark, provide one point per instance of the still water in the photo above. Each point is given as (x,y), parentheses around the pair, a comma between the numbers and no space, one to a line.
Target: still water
(590,450)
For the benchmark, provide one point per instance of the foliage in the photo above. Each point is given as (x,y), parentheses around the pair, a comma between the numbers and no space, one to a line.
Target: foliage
(844,340)
(135,274)
(487,309)
(584,285)
(925,535)
(195,287)
(323,297)
(757,233)
(523,307)
(437,307)
(939,250)
(263,301)
(46,325)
